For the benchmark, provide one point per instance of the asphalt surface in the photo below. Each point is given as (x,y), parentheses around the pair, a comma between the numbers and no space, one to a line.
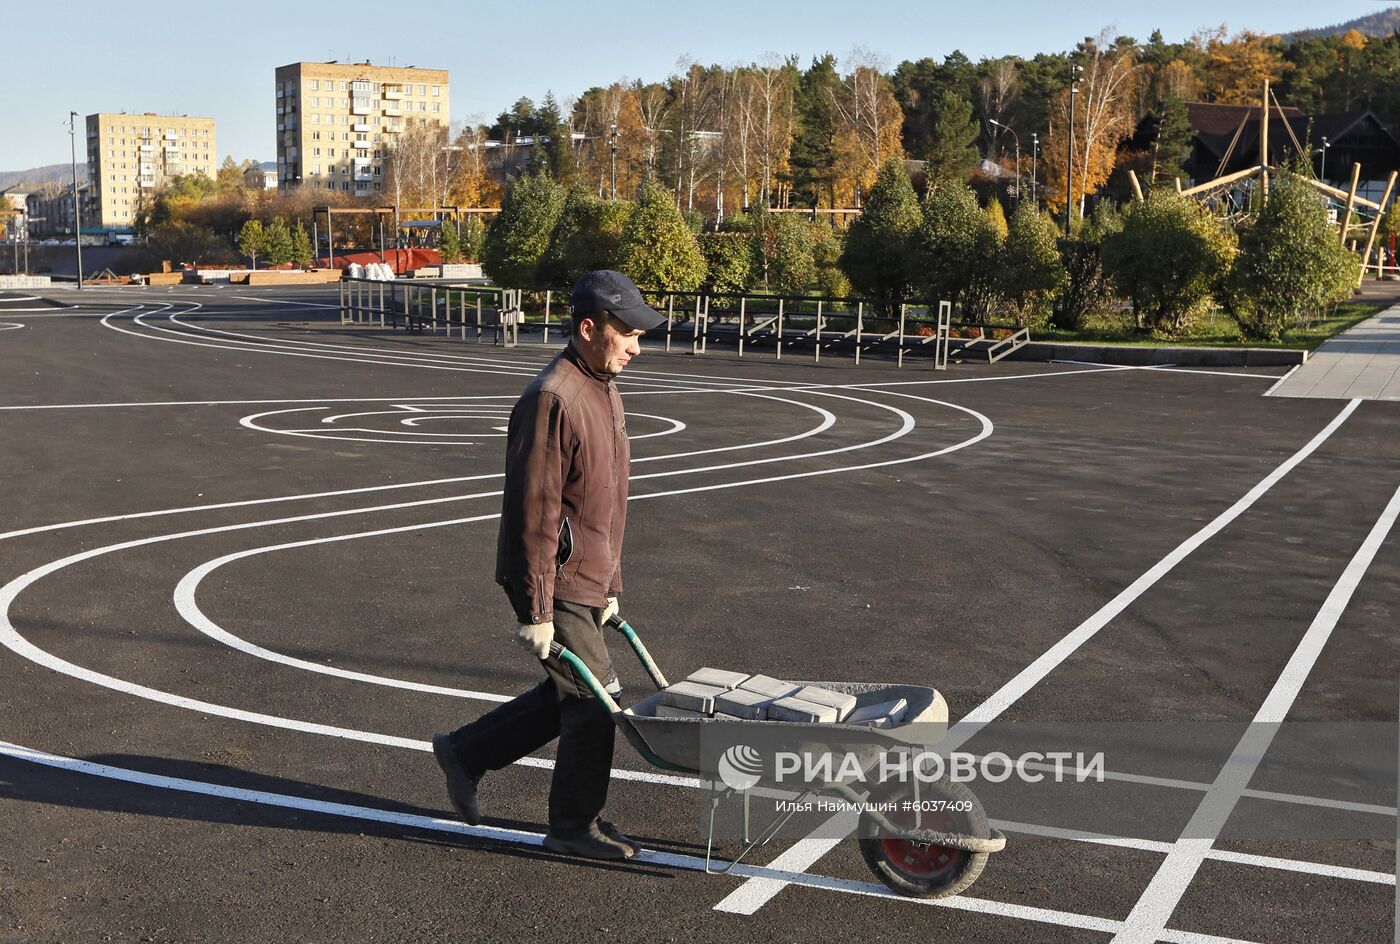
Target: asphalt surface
(247,558)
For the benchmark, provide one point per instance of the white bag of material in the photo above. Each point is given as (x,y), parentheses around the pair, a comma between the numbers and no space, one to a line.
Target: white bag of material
(357,271)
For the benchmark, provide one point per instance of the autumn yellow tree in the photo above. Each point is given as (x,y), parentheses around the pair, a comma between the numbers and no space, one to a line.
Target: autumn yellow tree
(597,112)
(1103,118)
(871,122)
(1237,67)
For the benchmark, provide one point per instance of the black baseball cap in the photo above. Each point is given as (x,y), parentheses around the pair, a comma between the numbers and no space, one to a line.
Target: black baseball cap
(606,290)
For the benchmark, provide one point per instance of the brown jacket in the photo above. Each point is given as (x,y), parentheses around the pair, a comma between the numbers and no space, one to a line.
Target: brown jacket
(565,502)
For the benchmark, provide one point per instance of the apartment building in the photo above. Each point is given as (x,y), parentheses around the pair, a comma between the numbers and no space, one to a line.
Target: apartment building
(337,122)
(130,156)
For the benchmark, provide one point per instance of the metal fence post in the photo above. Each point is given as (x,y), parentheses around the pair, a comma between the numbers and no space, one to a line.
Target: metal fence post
(817,348)
(478,319)
(742,304)
(860,324)
(705,338)
(341,288)
(670,316)
(381,304)
(695,329)
(548,297)
(779,355)
(899,358)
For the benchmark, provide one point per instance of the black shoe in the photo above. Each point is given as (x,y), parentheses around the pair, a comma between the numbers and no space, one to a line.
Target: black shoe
(591,844)
(461,785)
(617,835)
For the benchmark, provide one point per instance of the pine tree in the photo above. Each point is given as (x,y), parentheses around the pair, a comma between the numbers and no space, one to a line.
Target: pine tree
(954,134)
(875,257)
(251,240)
(658,251)
(1172,146)
(813,158)
(449,242)
(520,233)
(302,253)
(277,243)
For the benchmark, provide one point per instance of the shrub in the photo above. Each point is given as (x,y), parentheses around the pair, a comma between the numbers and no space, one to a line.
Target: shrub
(302,251)
(876,254)
(520,233)
(1290,265)
(657,249)
(826,255)
(728,261)
(954,249)
(449,242)
(277,243)
(1085,289)
(1030,271)
(586,237)
(782,250)
(1167,259)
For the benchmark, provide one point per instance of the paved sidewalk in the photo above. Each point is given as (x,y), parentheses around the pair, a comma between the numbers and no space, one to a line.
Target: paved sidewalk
(1360,363)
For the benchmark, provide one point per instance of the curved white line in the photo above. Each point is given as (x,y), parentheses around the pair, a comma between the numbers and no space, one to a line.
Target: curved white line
(9,325)
(13,640)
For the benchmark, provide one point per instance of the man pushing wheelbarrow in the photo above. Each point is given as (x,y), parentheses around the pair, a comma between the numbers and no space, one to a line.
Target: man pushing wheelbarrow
(559,558)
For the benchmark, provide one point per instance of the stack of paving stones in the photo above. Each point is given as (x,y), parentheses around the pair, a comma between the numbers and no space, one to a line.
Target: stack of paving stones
(716,693)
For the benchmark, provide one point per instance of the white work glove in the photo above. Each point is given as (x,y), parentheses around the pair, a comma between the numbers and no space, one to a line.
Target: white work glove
(610,610)
(535,638)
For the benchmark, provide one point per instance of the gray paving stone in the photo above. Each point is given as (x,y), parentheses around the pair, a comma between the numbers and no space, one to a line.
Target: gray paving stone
(842,702)
(884,715)
(765,685)
(717,677)
(740,703)
(795,709)
(691,696)
(671,711)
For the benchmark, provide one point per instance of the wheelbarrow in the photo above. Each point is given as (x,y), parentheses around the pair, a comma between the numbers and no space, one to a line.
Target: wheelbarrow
(922,838)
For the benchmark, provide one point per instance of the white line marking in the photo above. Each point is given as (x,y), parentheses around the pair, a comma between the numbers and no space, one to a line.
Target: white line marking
(528,838)
(752,895)
(1154,909)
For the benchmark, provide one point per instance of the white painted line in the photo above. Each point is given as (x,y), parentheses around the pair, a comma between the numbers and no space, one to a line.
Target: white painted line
(1187,937)
(1280,382)
(9,326)
(755,894)
(1154,909)
(529,838)
(1306,868)
(1374,808)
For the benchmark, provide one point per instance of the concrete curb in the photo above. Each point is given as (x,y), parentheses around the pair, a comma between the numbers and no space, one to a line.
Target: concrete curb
(1142,356)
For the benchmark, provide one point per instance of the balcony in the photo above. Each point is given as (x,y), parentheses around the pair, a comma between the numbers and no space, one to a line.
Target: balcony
(392,92)
(359,106)
(362,144)
(393,129)
(360,129)
(171,136)
(147,148)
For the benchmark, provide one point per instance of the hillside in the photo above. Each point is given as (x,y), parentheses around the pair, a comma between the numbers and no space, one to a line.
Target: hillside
(37,176)
(1382,23)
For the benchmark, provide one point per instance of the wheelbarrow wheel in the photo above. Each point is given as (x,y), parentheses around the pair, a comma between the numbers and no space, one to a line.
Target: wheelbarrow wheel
(923,870)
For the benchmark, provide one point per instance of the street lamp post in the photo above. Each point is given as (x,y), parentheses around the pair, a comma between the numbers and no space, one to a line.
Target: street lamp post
(1017,138)
(1325,146)
(612,147)
(1069,162)
(77,202)
(1035,152)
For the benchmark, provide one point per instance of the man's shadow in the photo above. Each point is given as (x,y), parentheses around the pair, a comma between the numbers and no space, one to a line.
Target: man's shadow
(30,782)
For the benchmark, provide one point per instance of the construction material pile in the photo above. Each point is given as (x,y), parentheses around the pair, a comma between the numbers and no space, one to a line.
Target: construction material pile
(716,693)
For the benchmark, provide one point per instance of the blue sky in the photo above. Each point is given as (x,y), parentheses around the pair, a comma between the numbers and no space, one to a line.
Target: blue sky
(94,56)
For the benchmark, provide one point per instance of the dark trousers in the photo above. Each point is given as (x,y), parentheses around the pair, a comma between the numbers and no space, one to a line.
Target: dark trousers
(554,709)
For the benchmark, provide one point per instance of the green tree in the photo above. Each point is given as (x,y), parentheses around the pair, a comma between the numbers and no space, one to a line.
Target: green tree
(473,238)
(449,242)
(252,239)
(181,242)
(1167,259)
(559,150)
(827,244)
(1171,146)
(552,268)
(1085,289)
(782,249)
(728,261)
(520,233)
(230,176)
(817,127)
(302,253)
(952,150)
(955,247)
(876,255)
(277,243)
(657,250)
(1290,265)
(1030,273)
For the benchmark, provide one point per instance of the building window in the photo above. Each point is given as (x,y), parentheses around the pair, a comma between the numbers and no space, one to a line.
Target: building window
(315,85)
(360,86)
(422,106)
(437,89)
(316,151)
(343,87)
(437,106)
(422,91)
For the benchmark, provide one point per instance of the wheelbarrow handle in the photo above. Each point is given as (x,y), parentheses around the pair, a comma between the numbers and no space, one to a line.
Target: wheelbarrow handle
(644,657)
(586,674)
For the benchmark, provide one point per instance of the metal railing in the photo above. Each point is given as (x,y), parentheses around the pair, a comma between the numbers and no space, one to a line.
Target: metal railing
(784,324)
